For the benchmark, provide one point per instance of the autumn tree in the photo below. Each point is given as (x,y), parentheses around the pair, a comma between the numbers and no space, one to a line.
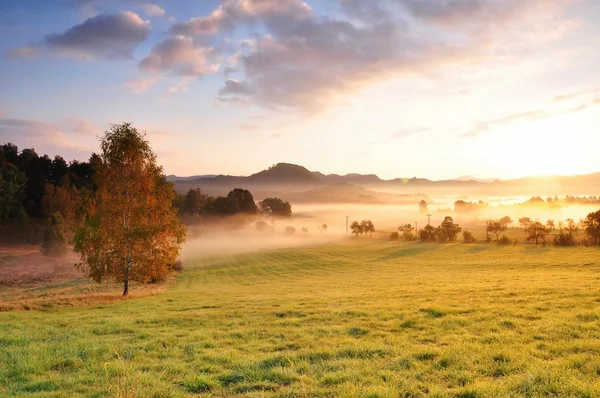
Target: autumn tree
(61,199)
(506,221)
(132,232)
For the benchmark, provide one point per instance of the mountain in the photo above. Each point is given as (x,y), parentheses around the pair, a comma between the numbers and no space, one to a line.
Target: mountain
(286,177)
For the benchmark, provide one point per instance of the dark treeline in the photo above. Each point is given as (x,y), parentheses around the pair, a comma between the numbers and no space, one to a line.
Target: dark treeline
(237,202)
(462,206)
(33,188)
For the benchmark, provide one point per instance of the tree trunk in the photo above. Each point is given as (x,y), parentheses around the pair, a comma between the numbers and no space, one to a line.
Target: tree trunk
(126,282)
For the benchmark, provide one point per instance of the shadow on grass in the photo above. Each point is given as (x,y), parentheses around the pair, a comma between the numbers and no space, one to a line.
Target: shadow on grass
(409,251)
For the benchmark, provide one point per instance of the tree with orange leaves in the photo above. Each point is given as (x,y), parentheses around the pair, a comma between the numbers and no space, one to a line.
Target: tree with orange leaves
(131,232)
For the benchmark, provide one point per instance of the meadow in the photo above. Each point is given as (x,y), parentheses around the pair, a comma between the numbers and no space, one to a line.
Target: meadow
(362,317)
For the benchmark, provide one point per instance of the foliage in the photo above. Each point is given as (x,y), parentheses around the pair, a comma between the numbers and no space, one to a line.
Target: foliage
(448,231)
(536,231)
(367,227)
(423,207)
(55,240)
(497,228)
(262,226)
(407,231)
(394,236)
(61,199)
(132,231)
(275,207)
(591,225)
(323,228)
(356,228)
(290,230)
(506,221)
(505,240)
(468,237)
(12,192)
(428,234)
(461,206)
(193,201)
(244,200)
(525,222)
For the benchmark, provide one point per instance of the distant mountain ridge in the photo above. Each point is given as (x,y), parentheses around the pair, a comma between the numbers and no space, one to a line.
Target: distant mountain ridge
(287,174)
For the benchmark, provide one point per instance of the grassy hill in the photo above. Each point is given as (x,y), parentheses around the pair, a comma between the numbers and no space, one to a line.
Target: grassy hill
(359,318)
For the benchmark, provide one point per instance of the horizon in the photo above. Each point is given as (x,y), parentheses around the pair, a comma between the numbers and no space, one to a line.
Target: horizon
(226,87)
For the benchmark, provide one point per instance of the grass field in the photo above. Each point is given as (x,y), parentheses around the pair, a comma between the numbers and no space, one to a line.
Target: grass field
(362,318)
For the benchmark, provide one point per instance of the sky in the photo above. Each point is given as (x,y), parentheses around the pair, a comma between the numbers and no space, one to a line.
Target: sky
(399,88)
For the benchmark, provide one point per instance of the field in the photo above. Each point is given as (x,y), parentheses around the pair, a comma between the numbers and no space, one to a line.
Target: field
(357,318)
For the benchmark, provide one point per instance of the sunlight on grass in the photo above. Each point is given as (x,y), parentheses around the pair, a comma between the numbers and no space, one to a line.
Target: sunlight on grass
(366,318)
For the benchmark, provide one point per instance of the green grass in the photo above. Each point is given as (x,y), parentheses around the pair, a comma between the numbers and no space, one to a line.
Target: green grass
(365,318)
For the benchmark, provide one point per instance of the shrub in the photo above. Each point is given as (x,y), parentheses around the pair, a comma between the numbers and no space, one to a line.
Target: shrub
(395,236)
(290,231)
(55,241)
(178,266)
(468,237)
(505,240)
(564,239)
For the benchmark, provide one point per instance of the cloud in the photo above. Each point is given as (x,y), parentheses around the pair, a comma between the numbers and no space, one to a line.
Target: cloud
(81,126)
(102,36)
(153,10)
(529,116)
(515,118)
(578,94)
(236,88)
(22,52)
(402,134)
(33,132)
(181,87)
(179,56)
(139,86)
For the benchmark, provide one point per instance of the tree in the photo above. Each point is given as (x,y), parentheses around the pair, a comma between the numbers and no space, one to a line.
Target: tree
(367,227)
(497,228)
(551,225)
(427,234)
(394,236)
(356,228)
(524,222)
(221,206)
(423,207)
(132,232)
(536,231)
(55,241)
(275,207)
(290,230)
(193,201)
(506,221)
(323,228)
(591,225)
(468,237)
(61,200)
(407,231)
(262,226)
(448,230)
(245,201)
(12,192)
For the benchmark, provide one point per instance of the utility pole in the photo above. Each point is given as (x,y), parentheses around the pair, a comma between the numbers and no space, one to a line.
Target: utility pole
(347,225)
(416,227)
(429,219)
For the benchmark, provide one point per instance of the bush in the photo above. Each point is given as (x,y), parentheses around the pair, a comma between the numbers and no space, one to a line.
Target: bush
(178,266)
(262,226)
(468,237)
(564,239)
(505,240)
(290,231)
(55,241)
(394,236)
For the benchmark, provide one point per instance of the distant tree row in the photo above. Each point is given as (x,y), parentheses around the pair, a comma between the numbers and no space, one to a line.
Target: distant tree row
(238,201)
(363,228)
